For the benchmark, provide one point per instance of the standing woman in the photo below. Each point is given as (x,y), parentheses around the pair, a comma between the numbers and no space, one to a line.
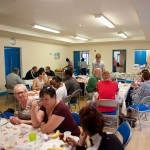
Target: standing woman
(83,66)
(69,66)
(40,81)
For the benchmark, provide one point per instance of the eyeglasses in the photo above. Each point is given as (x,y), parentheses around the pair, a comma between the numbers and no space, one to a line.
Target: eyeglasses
(19,93)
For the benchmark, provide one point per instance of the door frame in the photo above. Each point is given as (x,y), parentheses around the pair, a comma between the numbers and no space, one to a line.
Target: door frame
(115,50)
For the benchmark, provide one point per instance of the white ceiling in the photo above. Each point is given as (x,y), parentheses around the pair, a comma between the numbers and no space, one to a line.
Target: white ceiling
(129,16)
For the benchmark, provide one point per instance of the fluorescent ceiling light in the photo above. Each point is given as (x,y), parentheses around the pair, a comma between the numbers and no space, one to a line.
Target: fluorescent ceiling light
(104,20)
(123,35)
(81,38)
(45,28)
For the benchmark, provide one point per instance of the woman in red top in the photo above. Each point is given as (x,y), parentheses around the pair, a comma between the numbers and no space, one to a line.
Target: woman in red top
(107,89)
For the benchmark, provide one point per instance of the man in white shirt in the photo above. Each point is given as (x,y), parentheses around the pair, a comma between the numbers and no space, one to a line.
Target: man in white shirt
(61,91)
(98,63)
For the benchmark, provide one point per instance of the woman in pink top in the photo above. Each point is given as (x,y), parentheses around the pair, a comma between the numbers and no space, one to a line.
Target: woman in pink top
(107,89)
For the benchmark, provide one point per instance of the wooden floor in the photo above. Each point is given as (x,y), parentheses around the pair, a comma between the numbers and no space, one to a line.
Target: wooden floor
(140,139)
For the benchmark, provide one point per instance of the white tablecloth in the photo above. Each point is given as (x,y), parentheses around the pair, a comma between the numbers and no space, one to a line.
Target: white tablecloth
(10,135)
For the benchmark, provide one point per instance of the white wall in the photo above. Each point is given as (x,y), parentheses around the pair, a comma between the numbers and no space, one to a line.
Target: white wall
(34,53)
(106,52)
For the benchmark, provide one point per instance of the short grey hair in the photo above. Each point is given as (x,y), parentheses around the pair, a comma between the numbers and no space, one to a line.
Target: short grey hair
(20,86)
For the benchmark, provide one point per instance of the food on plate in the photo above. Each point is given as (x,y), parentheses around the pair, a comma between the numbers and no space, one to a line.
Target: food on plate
(55,149)
(55,135)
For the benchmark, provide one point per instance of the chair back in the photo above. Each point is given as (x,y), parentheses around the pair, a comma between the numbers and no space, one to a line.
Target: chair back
(126,132)
(76,118)
(67,99)
(9,88)
(107,102)
(145,100)
(76,93)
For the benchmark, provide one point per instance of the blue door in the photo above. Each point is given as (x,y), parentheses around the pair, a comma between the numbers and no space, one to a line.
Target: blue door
(77,61)
(12,59)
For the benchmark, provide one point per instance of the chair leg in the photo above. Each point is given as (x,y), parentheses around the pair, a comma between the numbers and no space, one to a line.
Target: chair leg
(79,106)
(145,116)
(140,121)
(6,99)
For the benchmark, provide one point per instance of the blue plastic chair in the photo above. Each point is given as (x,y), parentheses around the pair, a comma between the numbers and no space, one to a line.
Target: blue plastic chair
(129,81)
(6,115)
(109,103)
(122,81)
(126,132)
(142,108)
(76,118)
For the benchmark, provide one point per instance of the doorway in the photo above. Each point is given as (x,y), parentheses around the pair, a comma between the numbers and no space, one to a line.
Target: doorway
(77,58)
(119,61)
(12,59)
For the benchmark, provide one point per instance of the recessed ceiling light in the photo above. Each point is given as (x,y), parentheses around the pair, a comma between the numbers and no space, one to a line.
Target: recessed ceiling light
(45,28)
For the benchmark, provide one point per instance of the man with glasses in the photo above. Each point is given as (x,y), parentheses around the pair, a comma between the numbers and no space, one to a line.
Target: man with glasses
(98,63)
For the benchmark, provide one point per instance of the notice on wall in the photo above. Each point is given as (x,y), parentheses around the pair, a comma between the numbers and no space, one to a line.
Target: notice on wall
(57,55)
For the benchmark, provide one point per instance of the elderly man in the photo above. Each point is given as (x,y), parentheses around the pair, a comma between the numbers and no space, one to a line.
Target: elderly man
(91,85)
(13,78)
(98,63)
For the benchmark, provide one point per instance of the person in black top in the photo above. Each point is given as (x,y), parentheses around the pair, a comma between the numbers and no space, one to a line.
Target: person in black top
(31,74)
(92,123)
(49,72)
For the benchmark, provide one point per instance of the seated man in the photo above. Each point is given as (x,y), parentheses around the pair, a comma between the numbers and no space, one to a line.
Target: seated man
(49,72)
(107,89)
(61,91)
(71,84)
(91,85)
(13,78)
(31,74)
(144,89)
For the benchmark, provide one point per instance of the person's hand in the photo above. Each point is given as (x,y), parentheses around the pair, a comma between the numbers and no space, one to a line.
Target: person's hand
(34,104)
(15,120)
(71,142)
(83,137)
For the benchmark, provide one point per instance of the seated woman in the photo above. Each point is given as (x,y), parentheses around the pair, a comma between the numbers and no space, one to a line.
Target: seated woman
(40,81)
(22,113)
(92,123)
(61,91)
(53,114)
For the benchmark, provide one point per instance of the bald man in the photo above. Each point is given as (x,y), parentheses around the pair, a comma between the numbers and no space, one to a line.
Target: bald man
(91,85)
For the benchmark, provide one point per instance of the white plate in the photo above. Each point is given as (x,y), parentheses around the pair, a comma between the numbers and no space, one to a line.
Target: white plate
(3,121)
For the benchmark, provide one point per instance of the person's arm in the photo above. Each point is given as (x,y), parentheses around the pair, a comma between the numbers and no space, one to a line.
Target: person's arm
(19,81)
(36,116)
(53,122)
(34,87)
(16,120)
